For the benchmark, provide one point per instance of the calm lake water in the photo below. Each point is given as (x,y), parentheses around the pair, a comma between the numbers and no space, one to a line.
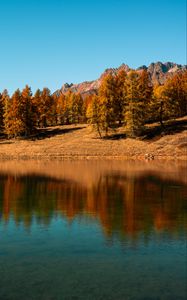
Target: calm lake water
(93,230)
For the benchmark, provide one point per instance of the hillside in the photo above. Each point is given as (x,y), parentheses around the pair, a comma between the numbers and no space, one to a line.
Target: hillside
(158,72)
(80,142)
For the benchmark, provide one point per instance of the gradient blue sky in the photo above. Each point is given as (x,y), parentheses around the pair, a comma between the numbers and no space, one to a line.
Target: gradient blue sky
(50,42)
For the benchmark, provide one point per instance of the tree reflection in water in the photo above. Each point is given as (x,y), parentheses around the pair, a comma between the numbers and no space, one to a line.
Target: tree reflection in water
(125,206)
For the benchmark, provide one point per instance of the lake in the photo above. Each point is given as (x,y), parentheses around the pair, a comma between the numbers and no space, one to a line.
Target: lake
(93,230)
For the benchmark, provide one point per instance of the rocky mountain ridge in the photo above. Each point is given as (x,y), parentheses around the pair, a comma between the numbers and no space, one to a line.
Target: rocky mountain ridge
(158,72)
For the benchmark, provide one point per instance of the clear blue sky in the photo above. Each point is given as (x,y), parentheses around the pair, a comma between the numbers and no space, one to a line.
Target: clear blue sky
(50,42)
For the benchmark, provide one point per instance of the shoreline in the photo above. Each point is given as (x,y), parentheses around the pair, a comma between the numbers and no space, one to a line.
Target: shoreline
(90,158)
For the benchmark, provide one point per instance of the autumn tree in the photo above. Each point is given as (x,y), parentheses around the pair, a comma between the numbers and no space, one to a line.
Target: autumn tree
(93,114)
(1,113)
(14,125)
(74,107)
(175,93)
(44,107)
(170,100)
(184,93)
(27,111)
(88,99)
(134,116)
(158,106)
(145,93)
(61,109)
(52,116)
(18,113)
(79,109)
(4,99)
(120,96)
(106,110)
(36,103)
(107,96)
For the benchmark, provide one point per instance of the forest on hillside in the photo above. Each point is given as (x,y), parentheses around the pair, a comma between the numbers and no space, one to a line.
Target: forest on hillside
(124,99)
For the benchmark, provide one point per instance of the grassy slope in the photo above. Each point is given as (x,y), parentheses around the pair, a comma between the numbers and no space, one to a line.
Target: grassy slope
(80,142)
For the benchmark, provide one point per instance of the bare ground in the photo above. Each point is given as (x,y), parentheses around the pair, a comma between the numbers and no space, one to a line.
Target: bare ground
(81,142)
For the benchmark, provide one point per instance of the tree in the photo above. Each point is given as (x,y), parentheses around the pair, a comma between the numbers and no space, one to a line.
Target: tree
(61,108)
(175,93)
(79,108)
(93,114)
(170,100)
(107,97)
(158,105)
(146,92)
(106,111)
(134,116)
(14,125)
(36,103)
(27,111)
(74,108)
(120,96)
(4,99)
(52,116)
(1,113)
(44,107)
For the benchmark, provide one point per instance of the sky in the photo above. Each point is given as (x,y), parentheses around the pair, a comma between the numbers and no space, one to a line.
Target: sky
(46,43)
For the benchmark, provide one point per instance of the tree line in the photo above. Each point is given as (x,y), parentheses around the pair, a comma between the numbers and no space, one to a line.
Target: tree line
(23,113)
(128,100)
(131,100)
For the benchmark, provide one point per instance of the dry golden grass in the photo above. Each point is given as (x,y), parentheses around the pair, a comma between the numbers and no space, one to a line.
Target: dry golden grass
(81,142)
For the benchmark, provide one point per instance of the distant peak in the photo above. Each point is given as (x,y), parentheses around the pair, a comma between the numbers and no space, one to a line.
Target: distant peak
(143,67)
(158,73)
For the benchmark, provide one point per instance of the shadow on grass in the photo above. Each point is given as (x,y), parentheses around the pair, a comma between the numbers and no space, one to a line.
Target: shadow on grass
(5,142)
(153,132)
(115,136)
(50,132)
(169,128)
(3,139)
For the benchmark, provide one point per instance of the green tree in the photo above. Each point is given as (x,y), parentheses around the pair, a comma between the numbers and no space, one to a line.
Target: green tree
(134,116)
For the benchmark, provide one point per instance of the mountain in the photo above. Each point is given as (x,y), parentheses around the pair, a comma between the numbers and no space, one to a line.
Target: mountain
(158,72)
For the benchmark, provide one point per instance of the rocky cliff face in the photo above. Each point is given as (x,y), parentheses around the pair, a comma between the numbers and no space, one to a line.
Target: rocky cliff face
(159,72)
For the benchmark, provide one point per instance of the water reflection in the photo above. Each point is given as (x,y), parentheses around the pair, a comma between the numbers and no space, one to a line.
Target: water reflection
(101,230)
(125,206)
